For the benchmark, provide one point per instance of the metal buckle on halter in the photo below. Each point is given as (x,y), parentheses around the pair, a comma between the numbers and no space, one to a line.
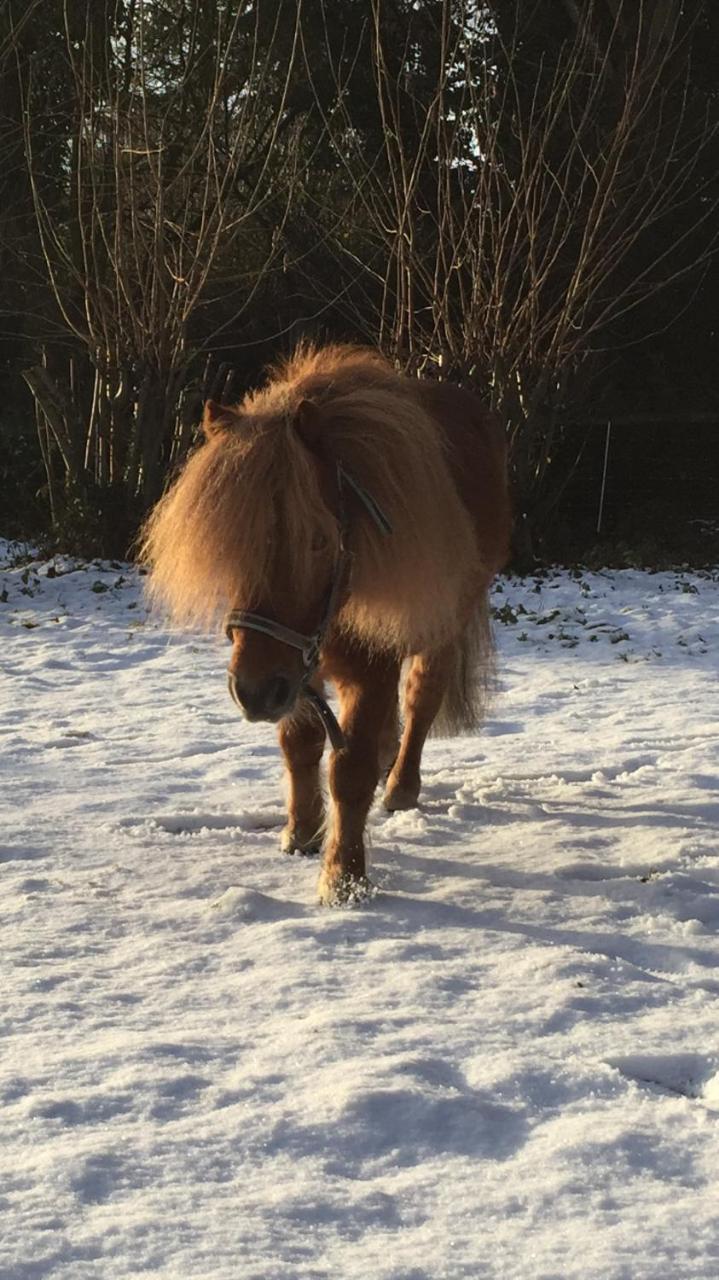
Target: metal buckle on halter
(311,654)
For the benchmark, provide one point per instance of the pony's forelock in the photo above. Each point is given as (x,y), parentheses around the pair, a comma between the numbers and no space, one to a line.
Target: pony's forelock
(212,539)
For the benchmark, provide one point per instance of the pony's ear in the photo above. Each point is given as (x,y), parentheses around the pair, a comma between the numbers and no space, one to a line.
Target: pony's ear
(308,423)
(215,419)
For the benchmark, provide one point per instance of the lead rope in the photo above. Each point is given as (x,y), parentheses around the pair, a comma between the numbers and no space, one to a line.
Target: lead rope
(311,646)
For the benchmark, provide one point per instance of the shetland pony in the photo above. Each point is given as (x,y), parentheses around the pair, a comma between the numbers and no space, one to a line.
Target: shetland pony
(342,519)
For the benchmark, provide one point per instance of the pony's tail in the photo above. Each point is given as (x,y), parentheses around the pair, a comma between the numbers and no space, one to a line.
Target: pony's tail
(472,677)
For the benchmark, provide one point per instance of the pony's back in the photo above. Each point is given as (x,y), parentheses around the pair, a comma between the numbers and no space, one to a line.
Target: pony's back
(477,455)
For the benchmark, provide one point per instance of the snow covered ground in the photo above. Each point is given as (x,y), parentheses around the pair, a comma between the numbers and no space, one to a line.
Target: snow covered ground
(506,1066)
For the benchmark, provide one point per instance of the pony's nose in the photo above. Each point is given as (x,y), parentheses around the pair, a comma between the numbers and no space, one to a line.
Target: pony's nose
(270,699)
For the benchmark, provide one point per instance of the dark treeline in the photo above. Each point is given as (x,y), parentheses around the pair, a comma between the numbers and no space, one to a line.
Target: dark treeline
(520,196)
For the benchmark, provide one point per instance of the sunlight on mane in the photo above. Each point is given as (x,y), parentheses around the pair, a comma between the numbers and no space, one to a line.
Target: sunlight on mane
(252,492)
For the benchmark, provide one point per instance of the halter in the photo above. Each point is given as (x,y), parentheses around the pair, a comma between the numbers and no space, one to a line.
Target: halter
(311,646)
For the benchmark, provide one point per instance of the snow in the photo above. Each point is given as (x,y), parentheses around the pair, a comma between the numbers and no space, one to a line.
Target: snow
(506,1065)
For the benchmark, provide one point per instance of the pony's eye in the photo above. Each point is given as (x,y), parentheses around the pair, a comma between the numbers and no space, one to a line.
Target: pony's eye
(319,543)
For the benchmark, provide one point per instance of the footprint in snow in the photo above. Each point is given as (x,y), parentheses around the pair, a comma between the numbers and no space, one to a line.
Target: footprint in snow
(688,1075)
(250,907)
(190,824)
(20,853)
(71,738)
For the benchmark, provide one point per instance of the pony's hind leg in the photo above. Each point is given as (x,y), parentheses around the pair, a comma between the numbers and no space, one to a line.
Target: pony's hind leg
(302,739)
(424,691)
(389,739)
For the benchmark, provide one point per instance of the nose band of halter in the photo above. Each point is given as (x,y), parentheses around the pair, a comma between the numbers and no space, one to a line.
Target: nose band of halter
(242,619)
(310,646)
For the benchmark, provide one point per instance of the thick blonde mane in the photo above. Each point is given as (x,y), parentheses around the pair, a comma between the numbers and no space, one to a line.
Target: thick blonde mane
(250,499)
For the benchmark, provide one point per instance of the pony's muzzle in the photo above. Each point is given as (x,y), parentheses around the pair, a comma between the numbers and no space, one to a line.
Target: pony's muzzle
(270,699)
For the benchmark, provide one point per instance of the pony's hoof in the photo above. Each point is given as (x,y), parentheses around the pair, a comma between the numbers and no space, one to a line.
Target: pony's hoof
(344,890)
(290,843)
(396,798)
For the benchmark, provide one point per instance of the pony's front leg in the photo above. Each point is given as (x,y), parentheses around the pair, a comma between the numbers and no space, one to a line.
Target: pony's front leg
(365,693)
(302,739)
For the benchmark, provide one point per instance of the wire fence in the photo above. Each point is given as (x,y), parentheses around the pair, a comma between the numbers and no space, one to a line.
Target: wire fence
(642,480)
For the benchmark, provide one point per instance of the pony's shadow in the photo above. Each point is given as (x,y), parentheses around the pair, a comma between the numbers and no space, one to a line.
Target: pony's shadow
(703,814)
(395,913)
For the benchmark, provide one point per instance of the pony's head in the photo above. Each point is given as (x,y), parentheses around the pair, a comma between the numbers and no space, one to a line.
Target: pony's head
(252,524)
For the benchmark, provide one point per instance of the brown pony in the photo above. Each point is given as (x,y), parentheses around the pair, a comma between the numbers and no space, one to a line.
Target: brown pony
(342,519)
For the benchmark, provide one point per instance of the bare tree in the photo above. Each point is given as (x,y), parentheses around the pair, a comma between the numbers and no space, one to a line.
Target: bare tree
(167,175)
(523,208)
